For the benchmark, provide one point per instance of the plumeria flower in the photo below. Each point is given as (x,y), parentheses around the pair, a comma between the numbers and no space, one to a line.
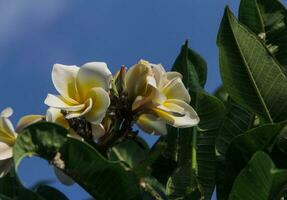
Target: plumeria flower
(159,98)
(8,137)
(83,91)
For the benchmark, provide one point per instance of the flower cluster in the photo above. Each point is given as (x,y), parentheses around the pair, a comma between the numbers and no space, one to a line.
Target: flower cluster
(98,107)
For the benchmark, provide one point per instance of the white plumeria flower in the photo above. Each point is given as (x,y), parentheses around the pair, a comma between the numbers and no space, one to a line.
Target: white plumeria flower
(159,98)
(7,140)
(8,137)
(83,91)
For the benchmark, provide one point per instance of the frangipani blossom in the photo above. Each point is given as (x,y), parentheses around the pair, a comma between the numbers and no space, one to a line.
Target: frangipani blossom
(83,91)
(159,98)
(8,137)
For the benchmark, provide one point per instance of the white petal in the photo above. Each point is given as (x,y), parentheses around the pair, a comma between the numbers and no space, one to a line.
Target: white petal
(28,120)
(93,74)
(6,151)
(63,178)
(60,103)
(189,118)
(98,131)
(171,75)
(175,89)
(101,102)
(153,96)
(64,80)
(172,108)
(6,125)
(88,107)
(151,81)
(159,74)
(5,166)
(136,79)
(7,132)
(152,124)
(7,112)
(54,115)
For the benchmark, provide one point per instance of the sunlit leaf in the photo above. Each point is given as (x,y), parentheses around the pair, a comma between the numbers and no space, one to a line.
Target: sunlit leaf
(103,179)
(251,76)
(267,19)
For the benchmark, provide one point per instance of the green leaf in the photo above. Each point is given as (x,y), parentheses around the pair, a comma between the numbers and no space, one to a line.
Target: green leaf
(267,19)
(49,192)
(11,188)
(242,149)
(251,76)
(129,151)
(103,179)
(245,145)
(201,163)
(221,94)
(183,184)
(211,112)
(194,71)
(282,140)
(163,166)
(250,15)
(237,120)
(194,148)
(279,150)
(193,68)
(153,189)
(259,180)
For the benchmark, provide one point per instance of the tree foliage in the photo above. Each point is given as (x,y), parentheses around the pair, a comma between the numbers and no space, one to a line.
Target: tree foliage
(237,148)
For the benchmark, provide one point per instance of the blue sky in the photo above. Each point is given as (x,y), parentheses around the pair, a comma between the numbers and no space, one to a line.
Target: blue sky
(36,34)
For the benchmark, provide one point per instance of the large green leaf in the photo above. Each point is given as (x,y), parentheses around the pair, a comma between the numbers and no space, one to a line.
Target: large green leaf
(11,188)
(245,145)
(194,148)
(49,192)
(196,170)
(279,149)
(221,93)
(130,152)
(267,19)
(163,167)
(135,153)
(211,112)
(183,184)
(237,120)
(194,71)
(242,149)
(193,68)
(153,189)
(259,180)
(103,179)
(251,76)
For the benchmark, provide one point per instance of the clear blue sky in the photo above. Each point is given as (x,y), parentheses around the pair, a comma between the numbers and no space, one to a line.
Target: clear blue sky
(36,34)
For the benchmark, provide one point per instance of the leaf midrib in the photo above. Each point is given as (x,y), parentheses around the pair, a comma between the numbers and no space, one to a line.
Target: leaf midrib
(248,70)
